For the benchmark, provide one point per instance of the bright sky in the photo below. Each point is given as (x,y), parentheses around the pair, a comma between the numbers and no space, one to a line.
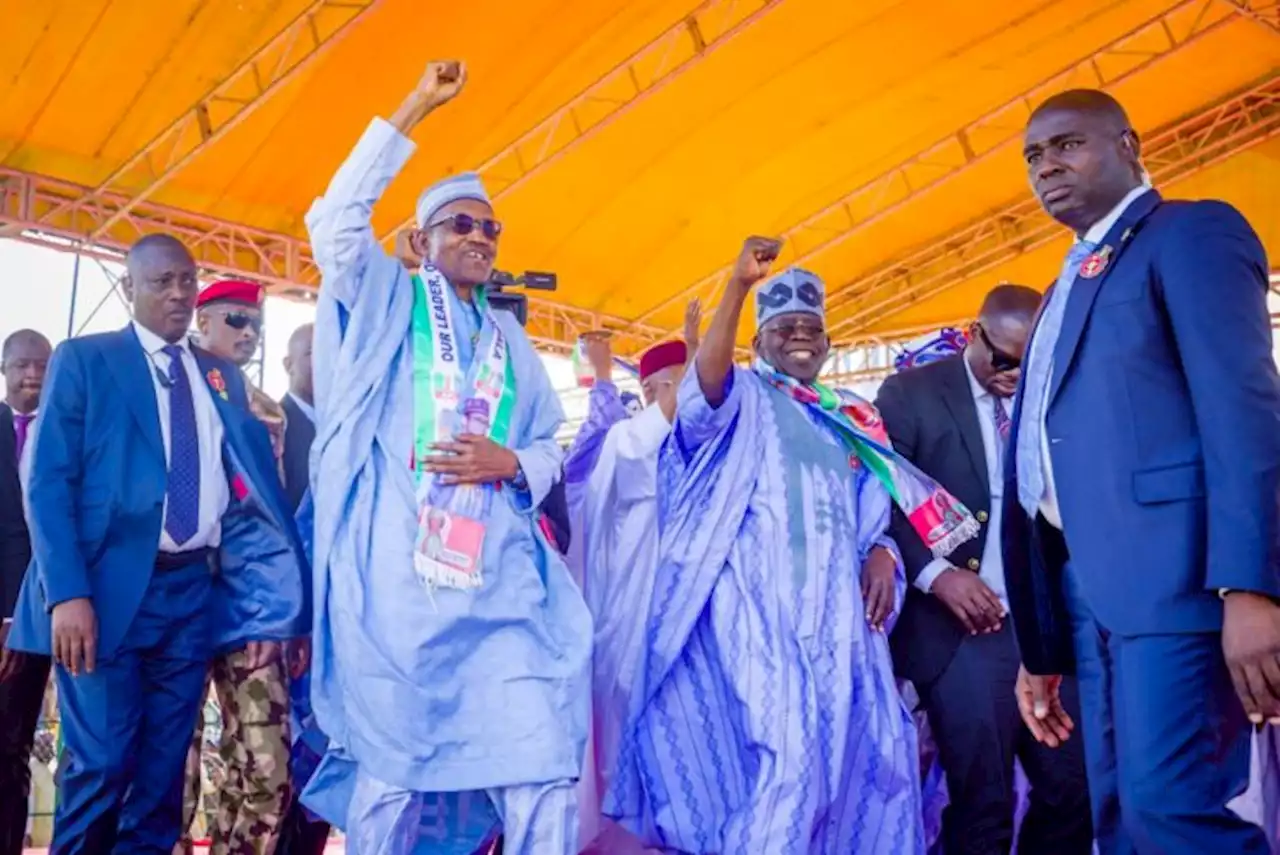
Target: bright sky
(36,282)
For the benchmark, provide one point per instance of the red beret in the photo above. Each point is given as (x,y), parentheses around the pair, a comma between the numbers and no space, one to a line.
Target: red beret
(661,356)
(231,291)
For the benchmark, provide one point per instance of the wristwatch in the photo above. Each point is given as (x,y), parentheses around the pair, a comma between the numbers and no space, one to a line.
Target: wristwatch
(520,482)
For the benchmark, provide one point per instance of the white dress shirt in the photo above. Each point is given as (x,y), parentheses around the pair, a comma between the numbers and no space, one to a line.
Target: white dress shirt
(1049,502)
(215,493)
(991,568)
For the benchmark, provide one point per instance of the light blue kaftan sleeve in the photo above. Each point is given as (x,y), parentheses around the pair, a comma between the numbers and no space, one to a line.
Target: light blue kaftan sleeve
(540,456)
(342,237)
(874,509)
(697,422)
(604,410)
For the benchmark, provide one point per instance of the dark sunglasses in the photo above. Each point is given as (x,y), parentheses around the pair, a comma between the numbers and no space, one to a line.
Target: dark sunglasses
(787,329)
(465,224)
(240,320)
(1000,361)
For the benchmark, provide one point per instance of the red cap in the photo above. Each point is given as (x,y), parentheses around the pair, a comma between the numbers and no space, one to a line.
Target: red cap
(231,291)
(661,356)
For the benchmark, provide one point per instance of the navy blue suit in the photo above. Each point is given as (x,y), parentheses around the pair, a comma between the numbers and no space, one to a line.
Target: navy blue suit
(96,494)
(1163,425)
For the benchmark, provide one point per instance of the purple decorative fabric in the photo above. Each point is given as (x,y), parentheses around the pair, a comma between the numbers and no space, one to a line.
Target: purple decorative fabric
(930,348)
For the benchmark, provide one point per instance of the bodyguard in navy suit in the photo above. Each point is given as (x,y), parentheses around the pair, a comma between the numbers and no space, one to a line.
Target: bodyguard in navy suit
(1143,492)
(160,538)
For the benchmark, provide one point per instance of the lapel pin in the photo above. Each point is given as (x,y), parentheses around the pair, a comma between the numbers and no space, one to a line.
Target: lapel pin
(1095,263)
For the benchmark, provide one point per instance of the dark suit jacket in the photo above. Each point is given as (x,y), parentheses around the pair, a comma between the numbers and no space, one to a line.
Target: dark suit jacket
(555,507)
(15,542)
(299,434)
(933,422)
(97,486)
(1164,430)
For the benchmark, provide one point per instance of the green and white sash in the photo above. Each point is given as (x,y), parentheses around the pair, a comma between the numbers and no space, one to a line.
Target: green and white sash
(449,545)
(439,378)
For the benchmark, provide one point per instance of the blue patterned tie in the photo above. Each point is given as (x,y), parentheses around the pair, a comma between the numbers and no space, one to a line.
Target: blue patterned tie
(182,516)
(1039,369)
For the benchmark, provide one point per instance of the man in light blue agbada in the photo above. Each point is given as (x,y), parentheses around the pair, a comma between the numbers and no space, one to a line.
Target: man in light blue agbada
(764,715)
(451,647)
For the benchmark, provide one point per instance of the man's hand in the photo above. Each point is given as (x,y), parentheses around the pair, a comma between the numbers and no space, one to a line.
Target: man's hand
(473,459)
(441,82)
(410,248)
(878,573)
(1040,703)
(970,600)
(1251,645)
(692,325)
(75,636)
(757,254)
(298,656)
(260,654)
(599,353)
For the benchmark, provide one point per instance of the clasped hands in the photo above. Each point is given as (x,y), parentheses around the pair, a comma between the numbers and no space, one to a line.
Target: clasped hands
(472,459)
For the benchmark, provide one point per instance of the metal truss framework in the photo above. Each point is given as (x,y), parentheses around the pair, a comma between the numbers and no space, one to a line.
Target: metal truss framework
(229,102)
(1263,12)
(872,358)
(983,138)
(1181,149)
(710,26)
(58,214)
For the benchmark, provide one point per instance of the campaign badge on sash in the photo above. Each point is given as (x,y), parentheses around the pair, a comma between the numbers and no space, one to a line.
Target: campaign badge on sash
(447,550)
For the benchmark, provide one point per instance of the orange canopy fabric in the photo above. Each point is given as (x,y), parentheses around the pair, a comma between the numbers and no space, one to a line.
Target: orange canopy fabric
(632,144)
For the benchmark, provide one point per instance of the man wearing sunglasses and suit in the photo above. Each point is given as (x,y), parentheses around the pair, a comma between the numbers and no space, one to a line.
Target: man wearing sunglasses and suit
(452,647)
(954,641)
(251,804)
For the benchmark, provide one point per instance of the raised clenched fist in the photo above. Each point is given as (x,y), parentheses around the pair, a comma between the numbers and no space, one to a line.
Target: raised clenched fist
(441,82)
(753,263)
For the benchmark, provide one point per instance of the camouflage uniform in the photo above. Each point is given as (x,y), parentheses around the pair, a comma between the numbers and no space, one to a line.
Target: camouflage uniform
(252,801)
(254,750)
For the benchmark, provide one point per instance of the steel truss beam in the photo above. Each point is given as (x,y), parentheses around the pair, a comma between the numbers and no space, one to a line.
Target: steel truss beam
(1186,147)
(229,102)
(706,29)
(1263,12)
(876,355)
(1121,58)
(58,214)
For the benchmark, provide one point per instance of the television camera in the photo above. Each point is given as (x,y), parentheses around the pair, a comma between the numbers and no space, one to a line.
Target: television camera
(518,304)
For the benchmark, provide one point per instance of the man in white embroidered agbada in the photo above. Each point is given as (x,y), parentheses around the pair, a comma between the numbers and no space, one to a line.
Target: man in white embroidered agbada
(452,680)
